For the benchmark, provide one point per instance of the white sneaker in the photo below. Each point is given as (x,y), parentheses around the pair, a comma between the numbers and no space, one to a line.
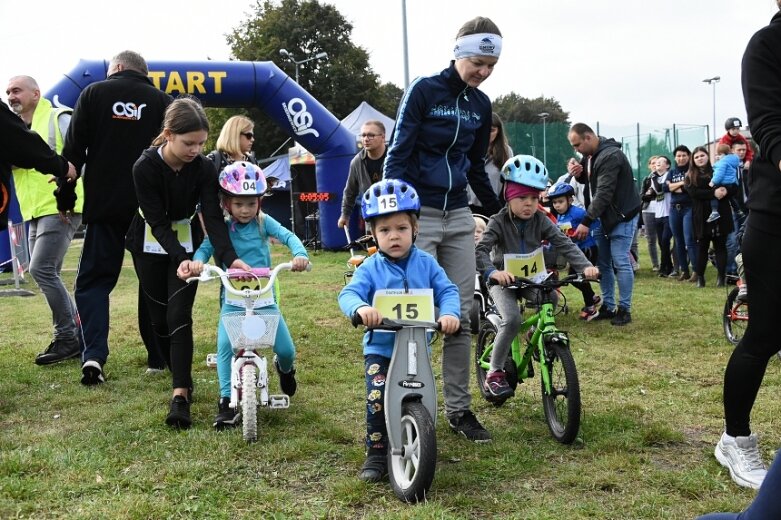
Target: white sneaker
(741,456)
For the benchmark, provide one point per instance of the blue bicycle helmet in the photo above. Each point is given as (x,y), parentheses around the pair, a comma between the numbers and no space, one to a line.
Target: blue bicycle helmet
(526,170)
(562,189)
(389,196)
(243,179)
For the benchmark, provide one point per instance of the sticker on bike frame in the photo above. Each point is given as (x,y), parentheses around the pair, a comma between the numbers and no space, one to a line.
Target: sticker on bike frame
(253,285)
(527,265)
(413,305)
(183,234)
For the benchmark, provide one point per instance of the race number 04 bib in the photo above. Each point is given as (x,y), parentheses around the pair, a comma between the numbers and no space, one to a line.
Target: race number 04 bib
(398,304)
(527,265)
(253,285)
(183,234)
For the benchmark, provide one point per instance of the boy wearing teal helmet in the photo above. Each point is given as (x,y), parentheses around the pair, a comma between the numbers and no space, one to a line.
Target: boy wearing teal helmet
(390,207)
(514,236)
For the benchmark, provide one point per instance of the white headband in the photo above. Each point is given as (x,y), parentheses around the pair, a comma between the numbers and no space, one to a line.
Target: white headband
(481,44)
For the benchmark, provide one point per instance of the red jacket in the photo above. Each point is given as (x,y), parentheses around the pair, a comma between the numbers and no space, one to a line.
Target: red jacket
(729,141)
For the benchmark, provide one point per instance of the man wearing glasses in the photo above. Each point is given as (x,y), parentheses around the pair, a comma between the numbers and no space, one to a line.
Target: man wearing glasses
(365,168)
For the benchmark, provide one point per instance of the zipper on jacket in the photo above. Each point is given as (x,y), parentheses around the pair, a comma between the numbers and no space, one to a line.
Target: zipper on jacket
(455,139)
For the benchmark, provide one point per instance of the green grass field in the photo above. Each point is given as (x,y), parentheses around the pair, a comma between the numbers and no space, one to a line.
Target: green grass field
(652,414)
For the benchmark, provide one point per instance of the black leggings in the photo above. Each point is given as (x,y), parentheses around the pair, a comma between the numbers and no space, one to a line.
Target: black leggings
(719,246)
(169,302)
(746,366)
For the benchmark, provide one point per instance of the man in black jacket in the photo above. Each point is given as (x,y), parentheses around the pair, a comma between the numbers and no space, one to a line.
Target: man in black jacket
(616,203)
(114,120)
(25,149)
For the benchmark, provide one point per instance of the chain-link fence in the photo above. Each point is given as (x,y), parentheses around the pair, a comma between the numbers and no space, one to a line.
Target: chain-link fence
(549,143)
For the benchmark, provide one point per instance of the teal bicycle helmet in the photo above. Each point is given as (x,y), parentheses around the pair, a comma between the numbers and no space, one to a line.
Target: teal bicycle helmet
(526,170)
(389,196)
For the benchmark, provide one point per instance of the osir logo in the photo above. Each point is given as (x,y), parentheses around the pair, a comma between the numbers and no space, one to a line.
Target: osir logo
(300,119)
(128,110)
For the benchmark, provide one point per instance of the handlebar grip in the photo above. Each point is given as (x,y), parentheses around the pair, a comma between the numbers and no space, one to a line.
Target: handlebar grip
(356,319)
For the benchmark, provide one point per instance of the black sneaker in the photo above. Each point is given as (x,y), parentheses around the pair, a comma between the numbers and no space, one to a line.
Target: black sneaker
(622,317)
(605,314)
(59,350)
(226,417)
(467,425)
(287,380)
(92,373)
(374,468)
(179,413)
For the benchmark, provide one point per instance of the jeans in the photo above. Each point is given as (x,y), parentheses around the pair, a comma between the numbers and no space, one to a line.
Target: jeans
(49,238)
(664,235)
(449,237)
(650,236)
(683,233)
(733,247)
(614,253)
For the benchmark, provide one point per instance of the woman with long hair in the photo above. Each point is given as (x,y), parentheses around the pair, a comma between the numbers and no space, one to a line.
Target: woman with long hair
(696,185)
(498,152)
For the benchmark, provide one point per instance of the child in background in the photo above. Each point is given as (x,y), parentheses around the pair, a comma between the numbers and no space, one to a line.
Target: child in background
(242,186)
(390,209)
(479,229)
(733,136)
(725,173)
(519,228)
(568,218)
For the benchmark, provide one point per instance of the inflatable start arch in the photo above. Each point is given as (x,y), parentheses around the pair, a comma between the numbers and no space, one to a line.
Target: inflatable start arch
(241,84)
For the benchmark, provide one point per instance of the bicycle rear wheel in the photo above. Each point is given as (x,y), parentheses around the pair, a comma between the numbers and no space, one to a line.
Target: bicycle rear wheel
(562,403)
(249,402)
(735,317)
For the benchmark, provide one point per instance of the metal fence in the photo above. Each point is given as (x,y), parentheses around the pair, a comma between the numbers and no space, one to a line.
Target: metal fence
(549,143)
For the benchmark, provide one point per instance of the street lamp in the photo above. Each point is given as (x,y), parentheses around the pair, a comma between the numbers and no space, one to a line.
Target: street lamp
(713,81)
(318,56)
(544,116)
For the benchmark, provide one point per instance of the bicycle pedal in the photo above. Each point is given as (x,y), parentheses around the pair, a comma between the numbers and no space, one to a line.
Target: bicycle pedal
(211,360)
(278,401)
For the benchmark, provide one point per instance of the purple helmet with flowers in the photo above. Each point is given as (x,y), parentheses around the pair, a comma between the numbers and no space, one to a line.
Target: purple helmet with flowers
(242,179)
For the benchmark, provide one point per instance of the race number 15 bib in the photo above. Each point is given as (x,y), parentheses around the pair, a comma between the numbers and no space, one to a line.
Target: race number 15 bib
(528,265)
(397,304)
(183,234)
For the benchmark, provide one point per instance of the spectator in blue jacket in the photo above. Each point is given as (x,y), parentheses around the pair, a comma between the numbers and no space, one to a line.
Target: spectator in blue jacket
(439,145)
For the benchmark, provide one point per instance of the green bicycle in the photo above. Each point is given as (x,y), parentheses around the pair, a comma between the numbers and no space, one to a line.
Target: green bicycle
(540,341)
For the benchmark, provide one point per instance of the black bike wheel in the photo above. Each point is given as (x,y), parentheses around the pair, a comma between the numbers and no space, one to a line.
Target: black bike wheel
(412,472)
(562,404)
(735,317)
(474,315)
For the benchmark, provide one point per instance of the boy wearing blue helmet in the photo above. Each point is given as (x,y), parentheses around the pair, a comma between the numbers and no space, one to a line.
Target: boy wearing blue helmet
(514,235)
(568,217)
(390,208)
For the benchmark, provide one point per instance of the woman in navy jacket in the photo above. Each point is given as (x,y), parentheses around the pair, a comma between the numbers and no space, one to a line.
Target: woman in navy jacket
(439,145)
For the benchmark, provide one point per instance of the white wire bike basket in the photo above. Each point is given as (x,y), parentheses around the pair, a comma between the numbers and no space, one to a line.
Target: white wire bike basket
(256,331)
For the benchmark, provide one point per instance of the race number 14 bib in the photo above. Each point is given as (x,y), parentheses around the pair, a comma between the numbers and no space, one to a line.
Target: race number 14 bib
(183,234)
(527,265)
(397,304)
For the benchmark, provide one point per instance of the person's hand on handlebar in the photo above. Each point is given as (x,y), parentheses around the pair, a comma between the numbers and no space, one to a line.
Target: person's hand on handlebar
(240,264)
(592,273)
(503,278)
(189,268)
(299,263)
(370,316)
(449,324)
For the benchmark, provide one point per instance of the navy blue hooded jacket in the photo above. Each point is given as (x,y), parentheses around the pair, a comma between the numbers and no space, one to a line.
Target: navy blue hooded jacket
(440,140)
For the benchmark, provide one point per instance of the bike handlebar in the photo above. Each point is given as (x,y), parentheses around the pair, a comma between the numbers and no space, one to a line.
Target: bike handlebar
(394,325)
(525,283)
(210,272)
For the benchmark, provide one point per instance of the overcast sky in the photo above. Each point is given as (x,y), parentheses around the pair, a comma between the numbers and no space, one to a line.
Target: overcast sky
(614,61)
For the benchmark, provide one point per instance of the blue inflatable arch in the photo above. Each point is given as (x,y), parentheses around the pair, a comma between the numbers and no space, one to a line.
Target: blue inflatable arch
(241,84)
